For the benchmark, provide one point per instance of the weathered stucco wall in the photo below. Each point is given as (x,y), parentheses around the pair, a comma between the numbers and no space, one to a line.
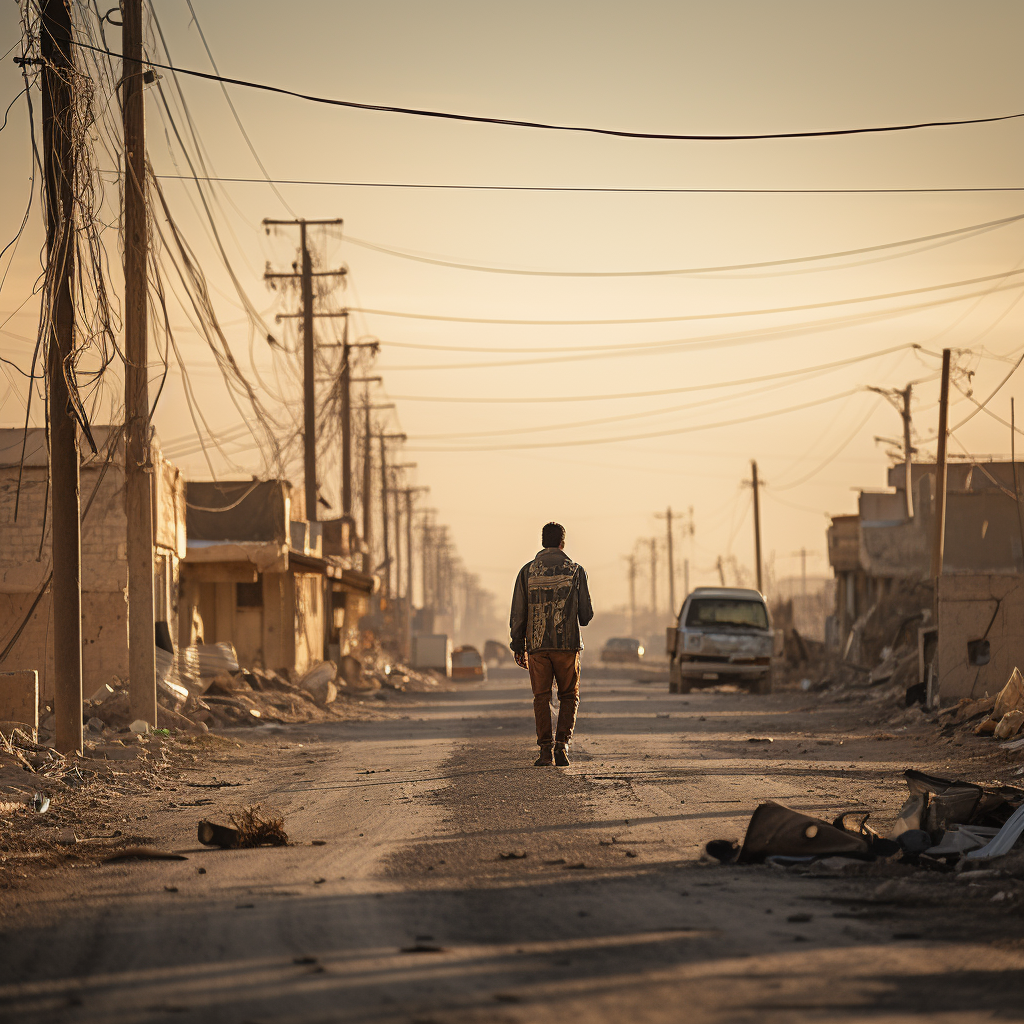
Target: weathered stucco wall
(979,607)
(25,566)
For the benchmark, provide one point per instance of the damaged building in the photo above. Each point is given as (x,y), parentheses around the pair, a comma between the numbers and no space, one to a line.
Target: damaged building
(979,603)
(259,576)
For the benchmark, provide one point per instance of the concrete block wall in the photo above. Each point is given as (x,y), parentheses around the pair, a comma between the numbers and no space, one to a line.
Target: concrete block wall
(19,698)
(977,607)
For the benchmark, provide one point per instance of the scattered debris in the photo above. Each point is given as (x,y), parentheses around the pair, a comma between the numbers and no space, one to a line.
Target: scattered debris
(943,823)
(512,854)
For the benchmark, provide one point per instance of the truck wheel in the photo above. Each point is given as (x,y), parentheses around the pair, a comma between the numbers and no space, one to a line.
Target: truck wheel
(676,682)
(763,685)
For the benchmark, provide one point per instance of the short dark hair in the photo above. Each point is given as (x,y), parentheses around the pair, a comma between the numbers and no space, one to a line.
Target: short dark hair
(552,535)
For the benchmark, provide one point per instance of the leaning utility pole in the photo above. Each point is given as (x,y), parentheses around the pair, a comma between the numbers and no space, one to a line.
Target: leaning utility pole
(671,560)
(900,401)
(939,526)
(757,521)
(138,460)
(306,276)
(60,170)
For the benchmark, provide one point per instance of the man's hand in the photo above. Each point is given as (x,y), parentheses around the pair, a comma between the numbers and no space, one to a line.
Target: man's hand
(521,660)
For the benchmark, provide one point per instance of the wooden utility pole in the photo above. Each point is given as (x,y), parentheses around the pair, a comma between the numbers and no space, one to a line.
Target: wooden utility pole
(908,453)
(671,560)
(386,534)
(757,522)
(686,578)
(347,380)
(939,526)
(368,565)
(425,559)
(138,461)
(305,276)
(721,571)
(408,492)
(654,576)
(1016,482)
(60,170)
(631,559)
(367,484)
(346,425)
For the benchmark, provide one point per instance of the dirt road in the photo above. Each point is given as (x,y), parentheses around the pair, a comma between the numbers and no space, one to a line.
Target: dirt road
(436,877)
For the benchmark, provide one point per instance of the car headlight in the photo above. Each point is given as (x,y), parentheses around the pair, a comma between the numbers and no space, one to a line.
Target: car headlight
(692,641)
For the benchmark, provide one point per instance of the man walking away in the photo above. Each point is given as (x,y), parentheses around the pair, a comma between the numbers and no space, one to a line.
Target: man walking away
(550,602)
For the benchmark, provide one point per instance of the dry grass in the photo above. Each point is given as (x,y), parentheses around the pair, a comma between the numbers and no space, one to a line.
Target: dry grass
(256,829)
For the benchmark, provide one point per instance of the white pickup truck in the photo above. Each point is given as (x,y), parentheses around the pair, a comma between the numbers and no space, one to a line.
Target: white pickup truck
(724,635)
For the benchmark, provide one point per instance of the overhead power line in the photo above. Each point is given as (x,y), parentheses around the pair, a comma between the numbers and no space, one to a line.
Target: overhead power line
(686,317)
(519,400)
(581,188)
(513,123)
(638,437)
(581,353)
(405,255)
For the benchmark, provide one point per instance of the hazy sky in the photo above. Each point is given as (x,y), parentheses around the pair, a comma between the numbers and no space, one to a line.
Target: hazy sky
(660,67)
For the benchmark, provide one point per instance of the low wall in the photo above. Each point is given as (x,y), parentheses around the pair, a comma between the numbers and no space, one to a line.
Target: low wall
(979,607)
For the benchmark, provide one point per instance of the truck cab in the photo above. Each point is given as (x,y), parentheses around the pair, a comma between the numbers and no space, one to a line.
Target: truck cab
(723,635)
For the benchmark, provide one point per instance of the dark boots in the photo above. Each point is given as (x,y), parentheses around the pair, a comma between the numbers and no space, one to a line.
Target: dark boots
(545,760)
(561,757)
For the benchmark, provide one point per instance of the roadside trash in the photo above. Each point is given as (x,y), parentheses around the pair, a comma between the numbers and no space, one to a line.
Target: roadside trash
(760,739)
(942,824)
(40,802)
(961,839)
(140,727)
(914,841)
(1005,838)
(726,851)
(512,854)
(218,835)
(778,830)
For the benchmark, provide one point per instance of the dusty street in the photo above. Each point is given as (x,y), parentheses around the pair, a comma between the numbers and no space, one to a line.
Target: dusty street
(436,876)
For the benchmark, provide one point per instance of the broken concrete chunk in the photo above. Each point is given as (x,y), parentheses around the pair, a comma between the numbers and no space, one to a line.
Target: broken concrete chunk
(1009,725)
(1011,697)
(319,683)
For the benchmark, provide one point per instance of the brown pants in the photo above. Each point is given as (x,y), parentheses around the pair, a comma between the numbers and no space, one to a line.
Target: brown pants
(562,667)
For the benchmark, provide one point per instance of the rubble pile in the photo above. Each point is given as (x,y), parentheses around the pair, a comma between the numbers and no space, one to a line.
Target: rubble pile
(1000,717)
(881,660)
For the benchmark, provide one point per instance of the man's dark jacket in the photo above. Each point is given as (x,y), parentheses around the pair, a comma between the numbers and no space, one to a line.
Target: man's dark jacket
(550,602)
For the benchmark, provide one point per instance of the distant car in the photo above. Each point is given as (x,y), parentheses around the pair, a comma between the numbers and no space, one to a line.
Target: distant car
(723,635)
(622,649)
(467,664)
(497,653)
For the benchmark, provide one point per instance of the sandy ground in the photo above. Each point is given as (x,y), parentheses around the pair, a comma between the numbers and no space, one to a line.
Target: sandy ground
(436,877)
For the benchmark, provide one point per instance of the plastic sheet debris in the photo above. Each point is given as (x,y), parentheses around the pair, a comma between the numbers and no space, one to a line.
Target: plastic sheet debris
(1005,838)
(961,839)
